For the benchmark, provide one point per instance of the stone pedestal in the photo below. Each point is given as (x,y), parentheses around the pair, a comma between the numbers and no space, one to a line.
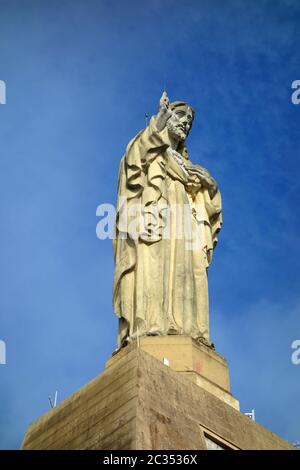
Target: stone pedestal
(195,361)
(140,403)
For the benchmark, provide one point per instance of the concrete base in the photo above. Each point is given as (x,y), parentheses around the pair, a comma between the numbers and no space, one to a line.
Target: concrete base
(139,403)
(195,361)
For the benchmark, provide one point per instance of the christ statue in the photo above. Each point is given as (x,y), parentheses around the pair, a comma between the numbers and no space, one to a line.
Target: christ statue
(168,217)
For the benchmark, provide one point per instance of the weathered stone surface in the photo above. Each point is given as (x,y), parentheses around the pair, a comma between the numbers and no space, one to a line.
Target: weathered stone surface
(173,407)
(139,403)
(195,361)
(99,412)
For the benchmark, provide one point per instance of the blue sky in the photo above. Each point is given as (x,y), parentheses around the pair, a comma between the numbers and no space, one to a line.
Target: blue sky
(80,76)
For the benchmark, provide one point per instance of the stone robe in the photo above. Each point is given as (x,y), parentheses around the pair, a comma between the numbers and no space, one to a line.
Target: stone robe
(161,255)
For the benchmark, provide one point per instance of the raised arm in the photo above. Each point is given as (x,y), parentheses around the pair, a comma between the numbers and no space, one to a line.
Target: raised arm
(164,112)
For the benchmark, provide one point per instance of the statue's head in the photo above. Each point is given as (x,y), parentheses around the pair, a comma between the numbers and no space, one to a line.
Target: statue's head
(180,123)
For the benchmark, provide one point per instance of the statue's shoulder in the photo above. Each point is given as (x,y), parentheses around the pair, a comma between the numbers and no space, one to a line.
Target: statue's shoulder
(134,140)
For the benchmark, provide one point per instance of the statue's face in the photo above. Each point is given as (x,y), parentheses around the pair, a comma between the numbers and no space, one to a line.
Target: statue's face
(180,123)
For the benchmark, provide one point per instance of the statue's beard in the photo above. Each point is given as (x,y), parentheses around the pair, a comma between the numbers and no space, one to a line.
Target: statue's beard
(176,131)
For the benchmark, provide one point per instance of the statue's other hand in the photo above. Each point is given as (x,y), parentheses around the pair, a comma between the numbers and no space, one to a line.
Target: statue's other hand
(205,178)
(193,184)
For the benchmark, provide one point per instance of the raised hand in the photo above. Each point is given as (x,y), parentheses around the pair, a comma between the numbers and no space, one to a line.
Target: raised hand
(164,102)
(164,112)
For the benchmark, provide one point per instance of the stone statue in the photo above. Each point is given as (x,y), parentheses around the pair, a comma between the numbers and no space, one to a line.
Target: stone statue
(168,218)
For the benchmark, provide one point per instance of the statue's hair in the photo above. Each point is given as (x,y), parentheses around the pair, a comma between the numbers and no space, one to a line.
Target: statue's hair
(176,105)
